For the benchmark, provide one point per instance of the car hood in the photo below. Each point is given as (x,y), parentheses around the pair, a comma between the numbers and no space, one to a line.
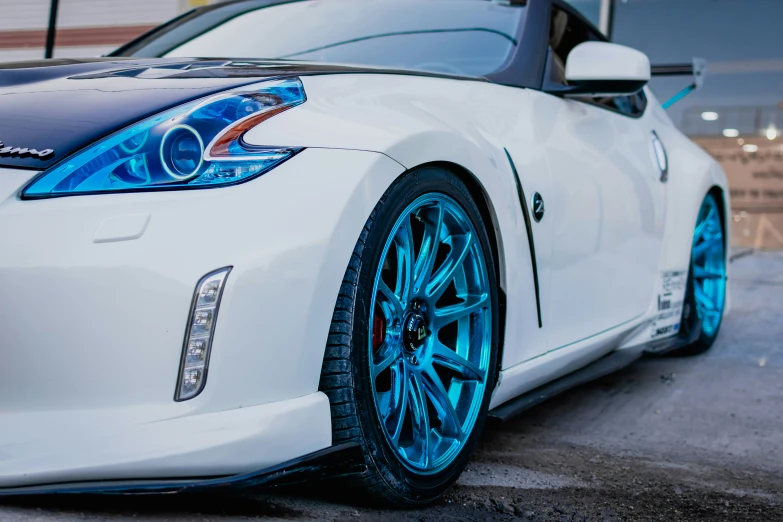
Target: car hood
(64,105)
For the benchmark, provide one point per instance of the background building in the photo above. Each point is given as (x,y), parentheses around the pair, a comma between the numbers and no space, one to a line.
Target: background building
(737,116)
(85,27)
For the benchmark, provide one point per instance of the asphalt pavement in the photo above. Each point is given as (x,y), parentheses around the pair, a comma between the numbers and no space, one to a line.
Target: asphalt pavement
(697,438)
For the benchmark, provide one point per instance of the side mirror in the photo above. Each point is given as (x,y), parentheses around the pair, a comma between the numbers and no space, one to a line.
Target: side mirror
(606,69)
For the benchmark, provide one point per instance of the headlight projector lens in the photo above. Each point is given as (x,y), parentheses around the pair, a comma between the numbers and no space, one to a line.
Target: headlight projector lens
(182,152)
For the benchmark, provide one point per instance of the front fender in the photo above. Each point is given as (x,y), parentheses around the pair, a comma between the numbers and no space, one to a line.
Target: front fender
(466,124)
(278,312)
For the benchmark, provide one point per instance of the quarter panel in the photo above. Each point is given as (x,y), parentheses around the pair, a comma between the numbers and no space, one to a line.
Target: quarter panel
(692,174)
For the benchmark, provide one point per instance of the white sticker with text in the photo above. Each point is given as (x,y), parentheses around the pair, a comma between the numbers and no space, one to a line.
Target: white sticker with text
(671,295)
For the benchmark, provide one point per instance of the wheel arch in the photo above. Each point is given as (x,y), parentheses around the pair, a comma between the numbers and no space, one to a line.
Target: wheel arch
(486,208)
(724,207)
(693,175)
(490,175)
(492,221)
(725,213)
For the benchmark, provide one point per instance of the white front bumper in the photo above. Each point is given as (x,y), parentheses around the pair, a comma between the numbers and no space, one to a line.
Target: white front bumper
(129,443)
(96,292)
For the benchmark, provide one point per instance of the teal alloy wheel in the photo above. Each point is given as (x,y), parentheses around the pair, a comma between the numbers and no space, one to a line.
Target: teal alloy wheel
(431,333)
(705,296)
(708,266)
(412,355)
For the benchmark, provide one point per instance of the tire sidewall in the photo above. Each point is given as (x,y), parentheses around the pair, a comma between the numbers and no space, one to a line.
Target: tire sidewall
(412,487)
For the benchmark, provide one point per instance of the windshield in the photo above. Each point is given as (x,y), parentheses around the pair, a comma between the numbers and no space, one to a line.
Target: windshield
(463,37)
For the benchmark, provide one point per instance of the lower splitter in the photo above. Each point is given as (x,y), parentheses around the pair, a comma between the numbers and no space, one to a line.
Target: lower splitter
(342,460)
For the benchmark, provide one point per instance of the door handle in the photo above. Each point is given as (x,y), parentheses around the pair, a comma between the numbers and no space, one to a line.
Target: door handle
(660,159)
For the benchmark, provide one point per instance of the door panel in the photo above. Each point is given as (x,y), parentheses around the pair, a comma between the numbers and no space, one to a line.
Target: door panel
(607,207)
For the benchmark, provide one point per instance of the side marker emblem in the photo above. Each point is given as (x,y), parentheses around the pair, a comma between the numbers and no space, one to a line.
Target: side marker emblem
(538,207)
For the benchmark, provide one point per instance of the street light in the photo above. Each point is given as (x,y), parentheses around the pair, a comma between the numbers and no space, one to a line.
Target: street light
(709,115)
(50,31)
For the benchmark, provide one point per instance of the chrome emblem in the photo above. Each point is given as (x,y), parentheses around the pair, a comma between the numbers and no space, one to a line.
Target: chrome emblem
(23,152)
(538,207)
(422,332)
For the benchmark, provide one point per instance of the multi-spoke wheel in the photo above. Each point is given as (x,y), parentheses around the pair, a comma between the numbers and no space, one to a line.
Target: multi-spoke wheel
(413,381)
(709,267)
(431,333)
(707,280)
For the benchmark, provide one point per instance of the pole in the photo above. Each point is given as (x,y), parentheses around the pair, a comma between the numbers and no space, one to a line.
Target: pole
(605,18)
(50,32)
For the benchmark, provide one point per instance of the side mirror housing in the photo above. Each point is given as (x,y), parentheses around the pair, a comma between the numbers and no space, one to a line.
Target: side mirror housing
(606,69)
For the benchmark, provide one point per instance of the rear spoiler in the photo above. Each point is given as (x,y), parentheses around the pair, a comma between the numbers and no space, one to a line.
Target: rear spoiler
(696,70)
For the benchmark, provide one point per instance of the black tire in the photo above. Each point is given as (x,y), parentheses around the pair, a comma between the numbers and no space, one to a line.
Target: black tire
(345,375)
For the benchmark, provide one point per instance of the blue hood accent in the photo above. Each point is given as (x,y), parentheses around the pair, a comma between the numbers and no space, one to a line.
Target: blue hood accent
(64,105)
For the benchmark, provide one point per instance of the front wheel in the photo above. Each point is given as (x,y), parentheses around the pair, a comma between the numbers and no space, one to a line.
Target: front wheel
(412,352)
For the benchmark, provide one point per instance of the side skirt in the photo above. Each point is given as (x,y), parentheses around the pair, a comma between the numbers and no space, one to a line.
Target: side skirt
(337,461)
(608,364)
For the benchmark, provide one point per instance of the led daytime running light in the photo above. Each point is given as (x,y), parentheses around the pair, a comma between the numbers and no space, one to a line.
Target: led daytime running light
(200,332)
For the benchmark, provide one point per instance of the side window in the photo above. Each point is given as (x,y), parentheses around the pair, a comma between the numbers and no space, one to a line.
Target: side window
(566,32)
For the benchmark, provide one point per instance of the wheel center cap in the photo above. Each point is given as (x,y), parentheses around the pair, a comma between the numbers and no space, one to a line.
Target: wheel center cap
(414,331)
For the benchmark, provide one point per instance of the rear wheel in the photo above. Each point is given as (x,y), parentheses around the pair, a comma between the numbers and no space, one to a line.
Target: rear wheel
(412,353)
(706,292)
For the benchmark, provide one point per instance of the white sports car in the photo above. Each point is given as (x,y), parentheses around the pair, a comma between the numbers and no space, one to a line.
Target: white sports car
(338,248)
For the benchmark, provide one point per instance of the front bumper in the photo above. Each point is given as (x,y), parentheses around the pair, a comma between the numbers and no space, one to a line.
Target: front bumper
(96,296)
(84,446)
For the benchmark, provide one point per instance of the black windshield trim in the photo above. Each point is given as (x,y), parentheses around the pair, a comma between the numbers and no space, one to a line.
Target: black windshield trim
(183,68)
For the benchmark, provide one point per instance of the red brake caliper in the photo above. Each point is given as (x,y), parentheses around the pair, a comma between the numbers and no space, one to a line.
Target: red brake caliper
(378,330)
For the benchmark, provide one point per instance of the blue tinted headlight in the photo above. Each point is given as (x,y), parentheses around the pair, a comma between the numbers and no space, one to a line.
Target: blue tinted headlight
(182,152)
(196,145)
